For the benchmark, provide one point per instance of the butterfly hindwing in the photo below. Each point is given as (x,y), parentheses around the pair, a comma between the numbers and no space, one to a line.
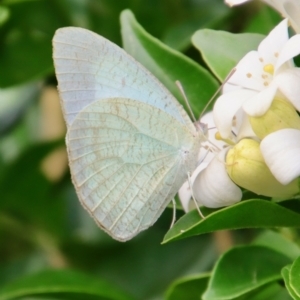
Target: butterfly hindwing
(127,161)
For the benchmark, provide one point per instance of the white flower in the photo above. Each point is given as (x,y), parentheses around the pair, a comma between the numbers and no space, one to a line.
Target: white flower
(230,118)
(242,165)
(207,153)
(213,187)
(217,180)
(281,152)
(247,168)
(211,184)
(279,129)
(288,8)
(260,76)
(185,193)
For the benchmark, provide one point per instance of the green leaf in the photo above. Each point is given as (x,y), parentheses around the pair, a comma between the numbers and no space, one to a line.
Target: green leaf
(243,269)
(222,50)
(188,288)
(295,277)
(254,213)
(272,291)
(167,64)
(285,272)
(279,243)
(62,285)
(25,52)
(264,20)
(201,14)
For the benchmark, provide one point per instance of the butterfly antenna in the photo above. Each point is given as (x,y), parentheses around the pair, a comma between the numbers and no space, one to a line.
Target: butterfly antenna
(180,87)
(217,92)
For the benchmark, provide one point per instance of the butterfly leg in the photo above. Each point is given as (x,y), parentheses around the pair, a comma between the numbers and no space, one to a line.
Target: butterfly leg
(196,204)
(174,212)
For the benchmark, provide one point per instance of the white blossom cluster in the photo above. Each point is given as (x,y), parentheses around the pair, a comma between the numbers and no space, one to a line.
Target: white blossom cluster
(254,142)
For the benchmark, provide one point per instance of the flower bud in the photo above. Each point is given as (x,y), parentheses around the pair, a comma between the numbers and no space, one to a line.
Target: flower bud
(246,167)
(280,115)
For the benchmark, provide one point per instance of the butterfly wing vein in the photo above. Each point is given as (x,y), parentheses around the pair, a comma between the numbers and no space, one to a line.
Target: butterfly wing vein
(130,142)
(89,67)
(126,169)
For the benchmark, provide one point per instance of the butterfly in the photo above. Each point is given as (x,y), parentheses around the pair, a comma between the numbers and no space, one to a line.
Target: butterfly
(130,143)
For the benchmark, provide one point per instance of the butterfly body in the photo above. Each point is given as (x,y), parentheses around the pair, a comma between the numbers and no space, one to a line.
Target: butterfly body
(130,143)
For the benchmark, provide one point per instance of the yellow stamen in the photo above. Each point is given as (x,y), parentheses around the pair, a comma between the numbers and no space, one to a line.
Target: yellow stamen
(269,68)
(218,137)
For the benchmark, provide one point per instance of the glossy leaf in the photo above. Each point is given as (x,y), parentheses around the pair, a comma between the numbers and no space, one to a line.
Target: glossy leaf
(167,64)
(285,272)
(246,214)
(243,269)
(295,277)
(223,50)
(279,243)
(272,291)
(188,288)
(62,285)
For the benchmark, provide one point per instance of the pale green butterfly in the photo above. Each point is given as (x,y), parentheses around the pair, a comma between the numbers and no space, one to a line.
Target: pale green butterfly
(130,143)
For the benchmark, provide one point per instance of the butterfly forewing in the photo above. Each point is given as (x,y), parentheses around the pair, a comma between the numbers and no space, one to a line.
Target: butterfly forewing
(89,67)
(128,159)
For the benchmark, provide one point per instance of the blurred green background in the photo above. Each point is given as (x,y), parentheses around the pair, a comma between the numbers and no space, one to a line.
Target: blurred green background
(42,224)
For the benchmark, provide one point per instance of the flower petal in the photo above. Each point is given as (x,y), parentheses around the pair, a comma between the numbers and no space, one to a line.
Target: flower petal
(243,126)
(211,145)
(291,10)
(228,87)
(226,107)
(260,103)
(281,151)
(207,152)
(290,50)
(213,187)
(185,193)
(274,3)
(270,47)
(235,2)
(248,73)
(288,8)
(289,85)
